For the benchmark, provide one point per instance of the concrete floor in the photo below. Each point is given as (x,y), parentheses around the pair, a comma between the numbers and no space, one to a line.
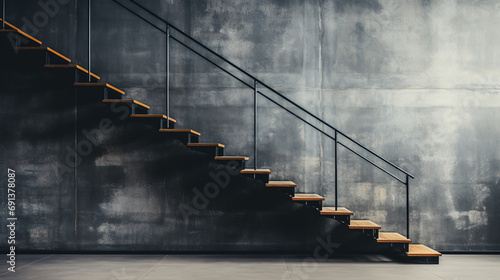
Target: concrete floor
(142,267)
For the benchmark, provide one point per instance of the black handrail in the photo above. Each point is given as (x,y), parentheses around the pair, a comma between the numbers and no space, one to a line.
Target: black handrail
(265,85)
(254,87)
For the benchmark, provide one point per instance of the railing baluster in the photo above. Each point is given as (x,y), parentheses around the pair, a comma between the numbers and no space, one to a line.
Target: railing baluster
(3,14)
(336,171)
(90,40)
(167,94)
(255,83)
(407,206)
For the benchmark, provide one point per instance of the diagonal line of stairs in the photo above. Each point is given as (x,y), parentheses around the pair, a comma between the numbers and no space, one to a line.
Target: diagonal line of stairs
(140,112)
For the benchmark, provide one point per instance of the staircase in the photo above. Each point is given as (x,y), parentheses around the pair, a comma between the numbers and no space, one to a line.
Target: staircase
(32,49)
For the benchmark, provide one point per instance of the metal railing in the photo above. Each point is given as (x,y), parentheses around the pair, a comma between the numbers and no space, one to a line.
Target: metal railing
(254,86)
(90,39)
(3,14)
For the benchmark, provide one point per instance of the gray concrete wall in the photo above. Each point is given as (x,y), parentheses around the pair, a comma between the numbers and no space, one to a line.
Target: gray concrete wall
(416,81)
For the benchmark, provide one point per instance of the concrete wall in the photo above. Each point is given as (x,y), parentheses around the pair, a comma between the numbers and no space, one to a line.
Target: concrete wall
(416,81)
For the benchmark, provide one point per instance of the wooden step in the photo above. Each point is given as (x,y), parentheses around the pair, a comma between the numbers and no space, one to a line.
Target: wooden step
(205,145)
(286,188)
(363,224)
(13,29)
(237,162)
(152,116)
(235,158)
(126,101)
(311,200)
(341,214)
(392,237)
(341,211)
(307,197)
(46,49)
(212,149)
(261,175)
(73,66)
(420,250)
(256,171)
(180,131)
(186,136)
(278,184)
(100,85)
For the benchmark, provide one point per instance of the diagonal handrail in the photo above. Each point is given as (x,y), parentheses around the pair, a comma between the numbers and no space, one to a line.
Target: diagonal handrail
(257,81)
(260,82)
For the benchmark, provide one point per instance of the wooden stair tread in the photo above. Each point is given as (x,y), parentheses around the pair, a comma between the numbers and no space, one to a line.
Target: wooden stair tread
(72,66)
(341,211)
(256,171)
(231,158)
(43,49)
(205,145)
(363,224)
(180,131)
(420,250)
(307,197)
(278,184)
(99,85)
(152,116)
(19,31)
(392,237)
(126,101)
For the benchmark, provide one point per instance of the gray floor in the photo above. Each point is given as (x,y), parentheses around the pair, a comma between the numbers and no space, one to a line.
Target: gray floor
(142,267)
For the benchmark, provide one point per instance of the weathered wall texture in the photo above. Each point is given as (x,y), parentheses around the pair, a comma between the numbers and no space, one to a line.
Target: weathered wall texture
(415,80)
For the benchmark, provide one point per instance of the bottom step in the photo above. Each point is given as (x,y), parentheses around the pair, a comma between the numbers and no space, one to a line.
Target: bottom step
(420,250)
(421,254)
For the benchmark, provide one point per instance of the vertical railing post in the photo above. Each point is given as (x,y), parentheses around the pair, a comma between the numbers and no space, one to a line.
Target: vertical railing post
(407,206)
(255,83)
(3,14)
(167,93)
(336,171)
(90,40)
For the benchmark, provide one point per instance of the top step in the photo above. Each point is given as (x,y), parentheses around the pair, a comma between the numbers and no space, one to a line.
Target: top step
(15,30)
